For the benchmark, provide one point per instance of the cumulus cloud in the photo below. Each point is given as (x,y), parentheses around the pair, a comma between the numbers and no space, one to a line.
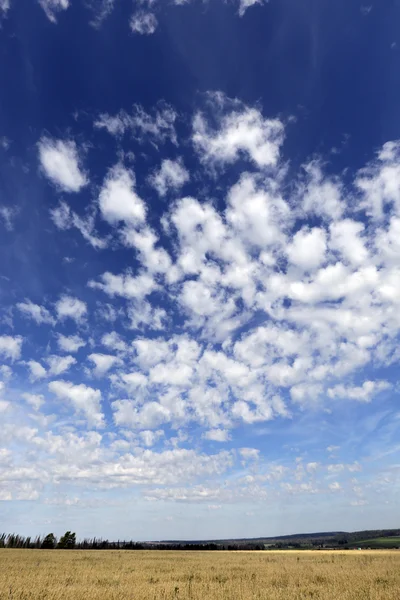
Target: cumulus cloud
(69,307)
(37,313)
(249,453)
(37,370)
(114,341)
(242,130)
(61,164)
(34,400)
(10,346)
(251,299)
(70,343)
(85,400)
(172,175)
(144,23)
(125,286)
(52,7)
(59,364)
(320,195)
(217,435)
(245,4)
(103,363)
(362,393)
(307,250)
(118,200)
(326,293)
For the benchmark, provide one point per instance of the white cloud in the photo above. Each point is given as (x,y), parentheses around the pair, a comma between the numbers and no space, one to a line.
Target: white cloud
(61,164)
(335,486)
(241,131)
(321,196)
(363,393)
(387,242)
(37,313)
(86,228)
(245,4)
(105,8)
(259,298)
(4,405)
(307,249)
(150,416)
(114,341)
(379,182)
(10,347)
(59,364)
(172,175)
(155,260)
(217,435)
(332,448)
(5,372)
(64,218)
(34,400)
(346,239)
(52,7)
(141,314)
(103,363)
(125,286)
(118,200)
(8,213)
(149,438)
(84,399)
(144,23)
(4,5)
(156,127)
(249,453)
(37,371)
(69,307)
(61,216)
(258,215)
(70,343)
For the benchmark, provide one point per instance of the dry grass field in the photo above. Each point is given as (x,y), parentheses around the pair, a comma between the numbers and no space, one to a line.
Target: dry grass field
(154,575)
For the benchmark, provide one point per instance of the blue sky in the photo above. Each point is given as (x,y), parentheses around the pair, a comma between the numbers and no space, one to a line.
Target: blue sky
(200,267)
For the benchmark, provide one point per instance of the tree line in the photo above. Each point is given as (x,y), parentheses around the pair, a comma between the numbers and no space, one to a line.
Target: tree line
(69,542)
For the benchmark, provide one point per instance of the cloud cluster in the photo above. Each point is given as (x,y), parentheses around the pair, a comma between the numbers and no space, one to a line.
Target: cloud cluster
(60,163)
(143,20)
(281,297)
(244,298)
(83,460)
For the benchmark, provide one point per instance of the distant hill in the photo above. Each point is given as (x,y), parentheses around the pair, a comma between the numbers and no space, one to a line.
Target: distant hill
(256,540)
(379,538)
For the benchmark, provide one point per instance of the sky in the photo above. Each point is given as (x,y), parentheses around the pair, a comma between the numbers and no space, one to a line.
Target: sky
(200,267)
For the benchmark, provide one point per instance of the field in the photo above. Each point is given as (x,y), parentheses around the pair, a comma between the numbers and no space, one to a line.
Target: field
(154,575)
(382,542)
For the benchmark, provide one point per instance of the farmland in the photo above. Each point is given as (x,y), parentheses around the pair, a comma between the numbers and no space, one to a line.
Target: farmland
(151,575)
(380,542)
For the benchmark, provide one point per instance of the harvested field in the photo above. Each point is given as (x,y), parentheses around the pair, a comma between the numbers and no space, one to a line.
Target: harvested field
(153,575)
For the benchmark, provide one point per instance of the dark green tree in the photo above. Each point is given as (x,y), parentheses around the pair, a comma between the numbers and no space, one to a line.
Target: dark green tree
(67,541)
(49,541)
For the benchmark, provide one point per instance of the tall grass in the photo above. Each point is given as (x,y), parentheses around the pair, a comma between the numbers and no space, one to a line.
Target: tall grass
(148,575)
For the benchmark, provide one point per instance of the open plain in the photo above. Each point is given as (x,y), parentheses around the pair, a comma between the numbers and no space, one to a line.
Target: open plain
(168,575)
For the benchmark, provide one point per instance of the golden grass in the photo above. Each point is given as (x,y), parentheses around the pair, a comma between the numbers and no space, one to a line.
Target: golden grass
(159,575)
